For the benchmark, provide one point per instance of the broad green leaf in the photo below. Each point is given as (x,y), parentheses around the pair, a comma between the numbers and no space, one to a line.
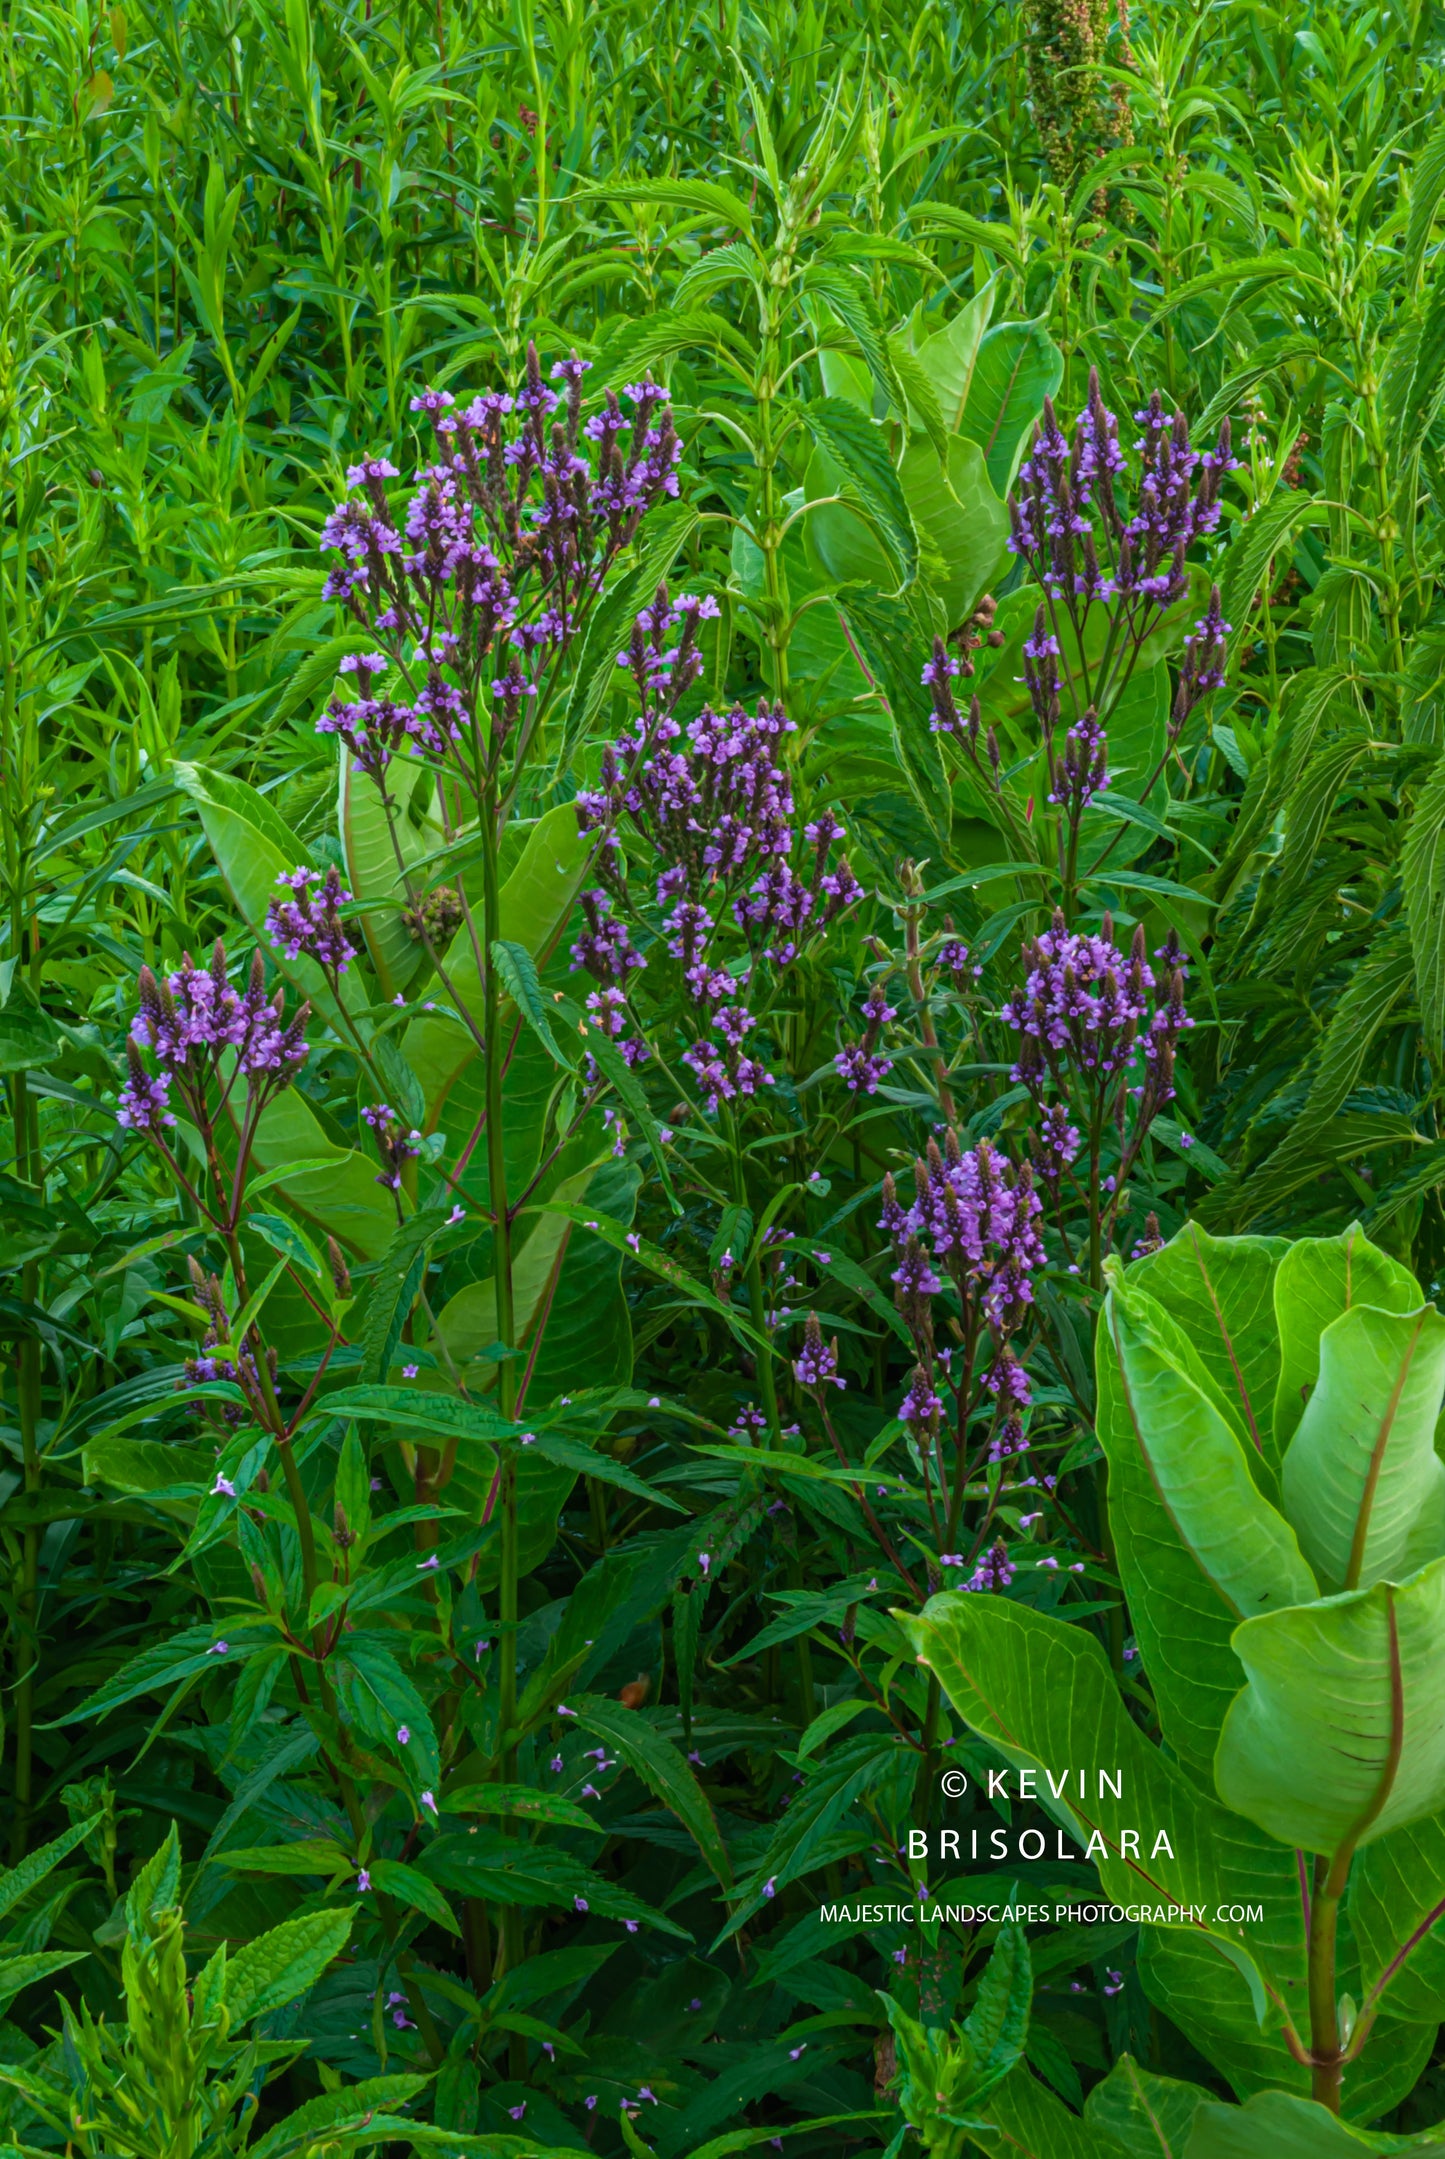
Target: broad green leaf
(535,902)
(1036,2124)
(265,1974)
(1220,1291)
(468,1323)
(948,357)
(1318,1279)
(1362,1483)
(1147,2116)
(1213,2004)
(1182,1621)
(1340,1731)
(1017,367)
(1396,1907)
(961,521)
(253,847)
(341,1198)
(1041,1692)
(1278,2125)
(372,844)
(859,450)
(1194,1456)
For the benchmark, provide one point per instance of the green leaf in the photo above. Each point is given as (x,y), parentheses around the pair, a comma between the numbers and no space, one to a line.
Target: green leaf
(519,1800)
(267,1973)
(1318,1279)
(518,971)
(1380,980)
(1017,367)
(948,357)
(392,1290)
(535,903)
(663,1770)
(1340,1730)
(27,1971)
(1147,2116)
(28,1039)
(999,2019)
(1278,2125)
(701,198)
(1396,1904)
(1195,1458)
(1362,1482)
(1422,868)
(1427,189)
(663,537)
(411,1887)
(1270,530)
(654,1259)
(18,1881)
(372,843)
(961,522)
(337,2111)
(1220,1292)
(859,449)
(1037,2125)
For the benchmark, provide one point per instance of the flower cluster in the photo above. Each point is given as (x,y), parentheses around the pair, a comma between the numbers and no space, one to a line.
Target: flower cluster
(861,1065)
(309,920)
(1098,1031)
(240,1369)
(964,1259)
(395,1144)
(1089,1008)
(817,1365)
(481,579)
(202,1029)
(735,885)
(1068,523)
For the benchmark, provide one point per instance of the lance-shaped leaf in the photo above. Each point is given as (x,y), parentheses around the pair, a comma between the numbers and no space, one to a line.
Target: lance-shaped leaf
(1340,1733)
(1042,1693)
(1318,1279)
(1361,1481)
(1220,1292)
(1193,1456)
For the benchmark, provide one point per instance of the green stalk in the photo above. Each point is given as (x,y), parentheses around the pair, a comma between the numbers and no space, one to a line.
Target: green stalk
(511,1918)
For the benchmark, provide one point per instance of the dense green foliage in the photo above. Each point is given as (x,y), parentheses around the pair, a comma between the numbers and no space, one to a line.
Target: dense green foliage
(486,1539)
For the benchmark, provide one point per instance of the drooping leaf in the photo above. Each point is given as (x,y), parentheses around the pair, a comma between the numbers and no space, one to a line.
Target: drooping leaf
(1318,1279)
(1340,1731)
(1362,1483)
